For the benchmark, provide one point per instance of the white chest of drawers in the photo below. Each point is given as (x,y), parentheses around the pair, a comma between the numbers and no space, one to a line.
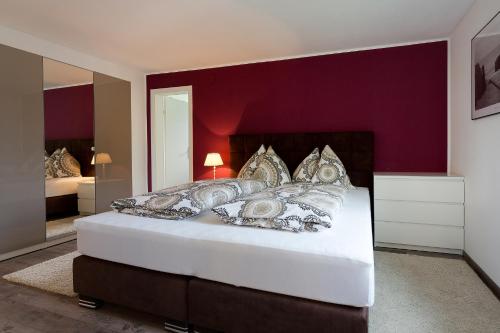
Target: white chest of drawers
(419,211)
(86,197)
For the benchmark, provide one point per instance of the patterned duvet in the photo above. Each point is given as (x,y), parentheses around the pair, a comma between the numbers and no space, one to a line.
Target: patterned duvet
(246,202)
(187,200)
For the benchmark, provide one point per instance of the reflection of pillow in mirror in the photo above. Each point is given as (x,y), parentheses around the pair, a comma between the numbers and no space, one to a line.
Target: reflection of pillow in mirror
(250,166)
(50,170)
(66,165)
(47,169)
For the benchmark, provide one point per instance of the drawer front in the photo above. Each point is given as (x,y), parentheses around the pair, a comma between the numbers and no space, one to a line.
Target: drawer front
(420,212)
(447,237)
(419,190)
(86,206)
(86,191)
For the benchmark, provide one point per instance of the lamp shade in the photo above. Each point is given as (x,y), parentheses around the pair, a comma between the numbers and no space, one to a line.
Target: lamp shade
(213,159)
(101,158)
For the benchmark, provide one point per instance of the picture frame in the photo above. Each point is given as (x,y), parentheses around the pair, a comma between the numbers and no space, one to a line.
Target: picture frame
(485,69)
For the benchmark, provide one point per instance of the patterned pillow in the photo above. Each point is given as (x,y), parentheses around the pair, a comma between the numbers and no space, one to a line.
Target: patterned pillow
(293,207)
(347,183)
(47,170)
(66,165)
(306,169)
(250,166)
(50,170)
(272,169)
(330,169)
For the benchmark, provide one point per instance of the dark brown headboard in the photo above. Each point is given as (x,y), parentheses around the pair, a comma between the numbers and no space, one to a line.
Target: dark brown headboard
(79,148)
(355,149)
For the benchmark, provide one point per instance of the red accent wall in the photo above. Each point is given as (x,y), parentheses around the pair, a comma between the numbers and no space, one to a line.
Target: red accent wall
(399,93)
(69,112)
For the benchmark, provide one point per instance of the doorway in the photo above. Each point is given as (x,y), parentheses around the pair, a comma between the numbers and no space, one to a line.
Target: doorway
(171,137)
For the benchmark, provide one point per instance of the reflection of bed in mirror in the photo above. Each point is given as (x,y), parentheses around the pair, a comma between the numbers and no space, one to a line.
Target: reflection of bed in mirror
(61,193)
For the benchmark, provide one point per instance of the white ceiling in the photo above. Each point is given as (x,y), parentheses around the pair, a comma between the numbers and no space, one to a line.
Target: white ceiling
(167,35)
(58,74)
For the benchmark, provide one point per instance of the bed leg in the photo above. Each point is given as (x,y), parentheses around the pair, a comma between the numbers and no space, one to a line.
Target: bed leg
(176,326)
(89,302)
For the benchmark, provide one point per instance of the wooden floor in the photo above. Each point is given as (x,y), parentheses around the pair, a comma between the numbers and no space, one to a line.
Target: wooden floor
(25,309)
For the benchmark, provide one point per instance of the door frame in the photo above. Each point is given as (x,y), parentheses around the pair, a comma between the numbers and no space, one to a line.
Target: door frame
(152,115)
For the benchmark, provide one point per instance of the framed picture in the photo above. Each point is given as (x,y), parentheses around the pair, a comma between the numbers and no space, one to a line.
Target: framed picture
(485,47)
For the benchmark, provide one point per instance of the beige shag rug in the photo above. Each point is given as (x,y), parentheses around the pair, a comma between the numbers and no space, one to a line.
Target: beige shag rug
(412,294)
(55,275)
(61,227)
(427,294)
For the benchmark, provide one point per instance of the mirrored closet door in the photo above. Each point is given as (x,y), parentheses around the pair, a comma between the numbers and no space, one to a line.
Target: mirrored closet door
(112,140)
(65,147)
(69,146)
(22,203)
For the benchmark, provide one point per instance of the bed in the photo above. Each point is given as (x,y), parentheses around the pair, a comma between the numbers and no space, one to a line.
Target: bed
(55,187)
(208,276)
(61,193)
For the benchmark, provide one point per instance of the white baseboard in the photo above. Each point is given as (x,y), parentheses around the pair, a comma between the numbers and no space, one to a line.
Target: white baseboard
(418,248)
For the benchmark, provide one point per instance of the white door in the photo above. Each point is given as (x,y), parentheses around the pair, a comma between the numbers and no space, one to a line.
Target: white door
(171,137)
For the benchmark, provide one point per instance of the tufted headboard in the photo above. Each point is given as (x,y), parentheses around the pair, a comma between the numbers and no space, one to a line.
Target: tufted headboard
(355,149)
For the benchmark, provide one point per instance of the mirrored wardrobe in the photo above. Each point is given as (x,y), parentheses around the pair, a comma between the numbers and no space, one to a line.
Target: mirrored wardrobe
(65,147)
(68,94)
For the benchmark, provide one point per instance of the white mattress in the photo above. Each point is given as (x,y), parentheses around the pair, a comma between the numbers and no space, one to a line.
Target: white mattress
(334,265)
(62,186)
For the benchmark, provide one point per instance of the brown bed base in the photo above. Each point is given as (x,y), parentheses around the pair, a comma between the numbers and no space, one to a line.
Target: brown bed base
(191,304)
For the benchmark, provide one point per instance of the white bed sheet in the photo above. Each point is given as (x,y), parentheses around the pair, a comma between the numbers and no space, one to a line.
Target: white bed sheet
(335,265)
(62,186)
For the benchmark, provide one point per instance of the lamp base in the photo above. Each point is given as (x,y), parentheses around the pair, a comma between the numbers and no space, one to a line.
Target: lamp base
(214,172)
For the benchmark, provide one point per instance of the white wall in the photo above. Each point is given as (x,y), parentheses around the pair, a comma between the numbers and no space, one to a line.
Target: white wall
(138,85)
(475,147)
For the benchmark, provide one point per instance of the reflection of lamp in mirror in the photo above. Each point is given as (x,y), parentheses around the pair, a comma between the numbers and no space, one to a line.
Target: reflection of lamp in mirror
(102,159)
(214,160)
(92,162)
